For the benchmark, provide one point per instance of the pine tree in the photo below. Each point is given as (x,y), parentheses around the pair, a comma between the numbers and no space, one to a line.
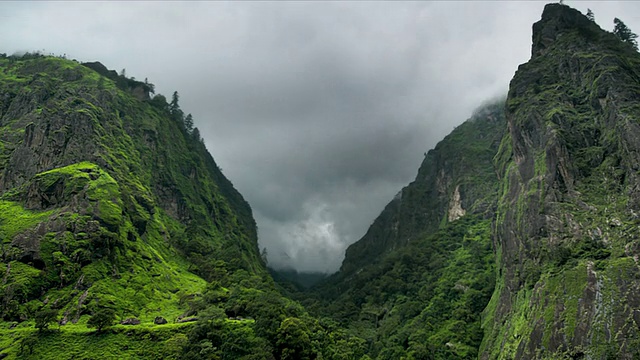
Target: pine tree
(188,123)
(590,15)
(624,33)
(173,106)
(196,135)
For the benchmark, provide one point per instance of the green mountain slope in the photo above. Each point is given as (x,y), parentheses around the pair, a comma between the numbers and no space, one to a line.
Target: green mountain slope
(567,224)
(518,239)
(416,284)
(455,177)
(558,198)
(107,201)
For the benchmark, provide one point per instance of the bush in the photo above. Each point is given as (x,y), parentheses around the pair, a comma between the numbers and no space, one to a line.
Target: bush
(44,318)
(103,318)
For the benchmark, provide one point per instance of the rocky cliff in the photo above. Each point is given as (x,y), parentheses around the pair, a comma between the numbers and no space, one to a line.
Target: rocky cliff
(455,177)
(566,229)
(416,284)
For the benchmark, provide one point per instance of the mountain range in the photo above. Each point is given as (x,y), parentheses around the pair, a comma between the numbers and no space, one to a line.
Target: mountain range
(518,239)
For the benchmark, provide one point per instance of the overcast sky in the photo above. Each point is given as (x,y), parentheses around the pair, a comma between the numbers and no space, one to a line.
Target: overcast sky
(319,113)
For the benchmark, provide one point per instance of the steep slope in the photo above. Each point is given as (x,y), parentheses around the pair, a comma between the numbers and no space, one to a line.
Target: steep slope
(107,200)
(111,208)
(454,178)
(567,223)
(416,284)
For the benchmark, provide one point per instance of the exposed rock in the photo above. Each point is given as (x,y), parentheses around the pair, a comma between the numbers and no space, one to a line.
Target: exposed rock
(455,206)
(570,187)
(451,182)
(187,319)
(159,320)
(130,321)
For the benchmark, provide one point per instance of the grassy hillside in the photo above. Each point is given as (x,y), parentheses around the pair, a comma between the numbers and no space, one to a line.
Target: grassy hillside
(114,218)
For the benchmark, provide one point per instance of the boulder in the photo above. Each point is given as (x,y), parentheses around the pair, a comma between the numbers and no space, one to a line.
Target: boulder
(130,321)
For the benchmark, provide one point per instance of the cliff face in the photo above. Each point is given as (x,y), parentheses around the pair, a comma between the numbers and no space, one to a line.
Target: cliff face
(566,228)
(416,284)
(455,177)
(106,200)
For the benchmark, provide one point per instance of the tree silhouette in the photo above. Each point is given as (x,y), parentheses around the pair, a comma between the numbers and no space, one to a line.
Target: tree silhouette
(624,33)
(44,318)
(188,123)
(590,15)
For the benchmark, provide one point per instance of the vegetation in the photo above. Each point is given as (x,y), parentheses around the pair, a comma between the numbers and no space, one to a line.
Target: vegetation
(624,33)
(118,206)
(103,318)
(44,318)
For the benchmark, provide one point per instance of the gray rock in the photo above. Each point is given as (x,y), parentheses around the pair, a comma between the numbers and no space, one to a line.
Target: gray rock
(130,321)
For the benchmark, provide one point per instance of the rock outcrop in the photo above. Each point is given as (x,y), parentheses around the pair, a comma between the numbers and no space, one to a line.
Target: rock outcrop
(566,226)
(454,178)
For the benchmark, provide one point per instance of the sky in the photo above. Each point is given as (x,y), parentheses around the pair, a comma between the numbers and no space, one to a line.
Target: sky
(318,112)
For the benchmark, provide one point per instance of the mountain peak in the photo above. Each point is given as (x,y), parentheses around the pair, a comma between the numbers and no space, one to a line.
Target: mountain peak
(558,19)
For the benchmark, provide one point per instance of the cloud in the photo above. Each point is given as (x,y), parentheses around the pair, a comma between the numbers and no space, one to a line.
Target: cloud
(318,112)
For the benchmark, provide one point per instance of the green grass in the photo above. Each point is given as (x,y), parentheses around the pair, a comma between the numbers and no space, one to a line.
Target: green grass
(14,219)
(146,341)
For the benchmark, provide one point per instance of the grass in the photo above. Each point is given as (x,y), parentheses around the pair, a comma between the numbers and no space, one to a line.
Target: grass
(146,341)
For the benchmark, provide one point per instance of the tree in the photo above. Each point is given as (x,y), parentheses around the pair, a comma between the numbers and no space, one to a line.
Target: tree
(123,73)
(101,319)
(624,33)
(196,135)
(293,340)
(150,86)
(44,318)
(590,15)
(173,106)
(188,123)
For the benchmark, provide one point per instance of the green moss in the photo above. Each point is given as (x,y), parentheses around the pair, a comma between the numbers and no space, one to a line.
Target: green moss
(14,219)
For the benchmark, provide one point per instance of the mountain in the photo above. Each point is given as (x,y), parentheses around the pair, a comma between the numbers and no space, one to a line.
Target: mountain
(114,216)
(106,199)
(518,239)
(417,282)
(539,193)
(566,229)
